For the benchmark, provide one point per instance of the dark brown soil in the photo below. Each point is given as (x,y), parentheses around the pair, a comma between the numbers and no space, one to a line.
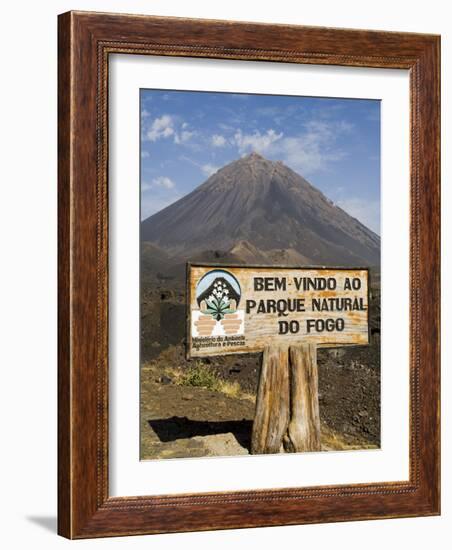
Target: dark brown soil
(180,421)
(349,391)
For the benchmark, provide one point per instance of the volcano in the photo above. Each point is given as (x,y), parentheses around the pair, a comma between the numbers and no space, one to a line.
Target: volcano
(266,212)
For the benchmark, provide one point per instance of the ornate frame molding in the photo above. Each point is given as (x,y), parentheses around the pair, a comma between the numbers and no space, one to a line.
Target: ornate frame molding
(85,42)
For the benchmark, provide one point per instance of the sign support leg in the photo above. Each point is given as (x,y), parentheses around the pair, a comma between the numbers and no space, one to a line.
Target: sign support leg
(287,404)
(272,414)
(303,432)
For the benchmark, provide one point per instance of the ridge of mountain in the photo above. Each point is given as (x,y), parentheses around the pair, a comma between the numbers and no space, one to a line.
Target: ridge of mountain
(254,206)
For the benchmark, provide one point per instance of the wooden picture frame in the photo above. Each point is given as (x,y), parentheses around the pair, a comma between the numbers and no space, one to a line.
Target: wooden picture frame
(85,42)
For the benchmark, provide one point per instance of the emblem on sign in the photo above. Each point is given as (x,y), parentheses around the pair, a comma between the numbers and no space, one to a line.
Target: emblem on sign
(218,296)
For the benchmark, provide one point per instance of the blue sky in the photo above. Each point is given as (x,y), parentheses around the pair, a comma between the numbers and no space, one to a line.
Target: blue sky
(333,143)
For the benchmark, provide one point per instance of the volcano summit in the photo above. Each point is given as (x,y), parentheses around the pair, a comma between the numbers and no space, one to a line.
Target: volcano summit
(261,211)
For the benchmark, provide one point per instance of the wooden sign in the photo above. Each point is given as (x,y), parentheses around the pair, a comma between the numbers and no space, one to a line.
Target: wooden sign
(243,309)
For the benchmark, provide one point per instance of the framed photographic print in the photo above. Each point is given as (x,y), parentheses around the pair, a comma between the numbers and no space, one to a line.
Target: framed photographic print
(248,275)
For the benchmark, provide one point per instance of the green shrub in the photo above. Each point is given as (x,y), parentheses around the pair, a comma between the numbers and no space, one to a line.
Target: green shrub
(201,376)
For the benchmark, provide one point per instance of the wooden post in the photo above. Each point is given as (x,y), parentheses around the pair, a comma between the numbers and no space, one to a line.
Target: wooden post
(287,404)
(272,404)
(303,433)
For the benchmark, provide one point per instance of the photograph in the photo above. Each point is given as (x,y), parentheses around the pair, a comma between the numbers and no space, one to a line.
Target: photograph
(260,228)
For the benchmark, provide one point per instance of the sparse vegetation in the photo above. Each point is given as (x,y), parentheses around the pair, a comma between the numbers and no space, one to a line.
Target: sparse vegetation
(232,389)
(201,376)
(334,441)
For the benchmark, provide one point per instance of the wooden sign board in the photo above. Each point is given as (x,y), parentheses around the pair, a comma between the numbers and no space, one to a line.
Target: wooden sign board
(242,309)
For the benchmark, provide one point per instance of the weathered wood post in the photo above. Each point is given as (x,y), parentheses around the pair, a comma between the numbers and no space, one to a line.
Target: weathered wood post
(303,432)
(287,403)
(272,414)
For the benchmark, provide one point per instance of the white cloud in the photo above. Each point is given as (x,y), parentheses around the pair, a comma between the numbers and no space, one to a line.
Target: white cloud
(366,211)
(159,182)
(314,148)
(208,169)
(305,154)
(184,136)
(161,127)
(164,193)
(218,140)
(225,127)
(163,181)
(169,126)
(144,154)
(256,141)
(145,113)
